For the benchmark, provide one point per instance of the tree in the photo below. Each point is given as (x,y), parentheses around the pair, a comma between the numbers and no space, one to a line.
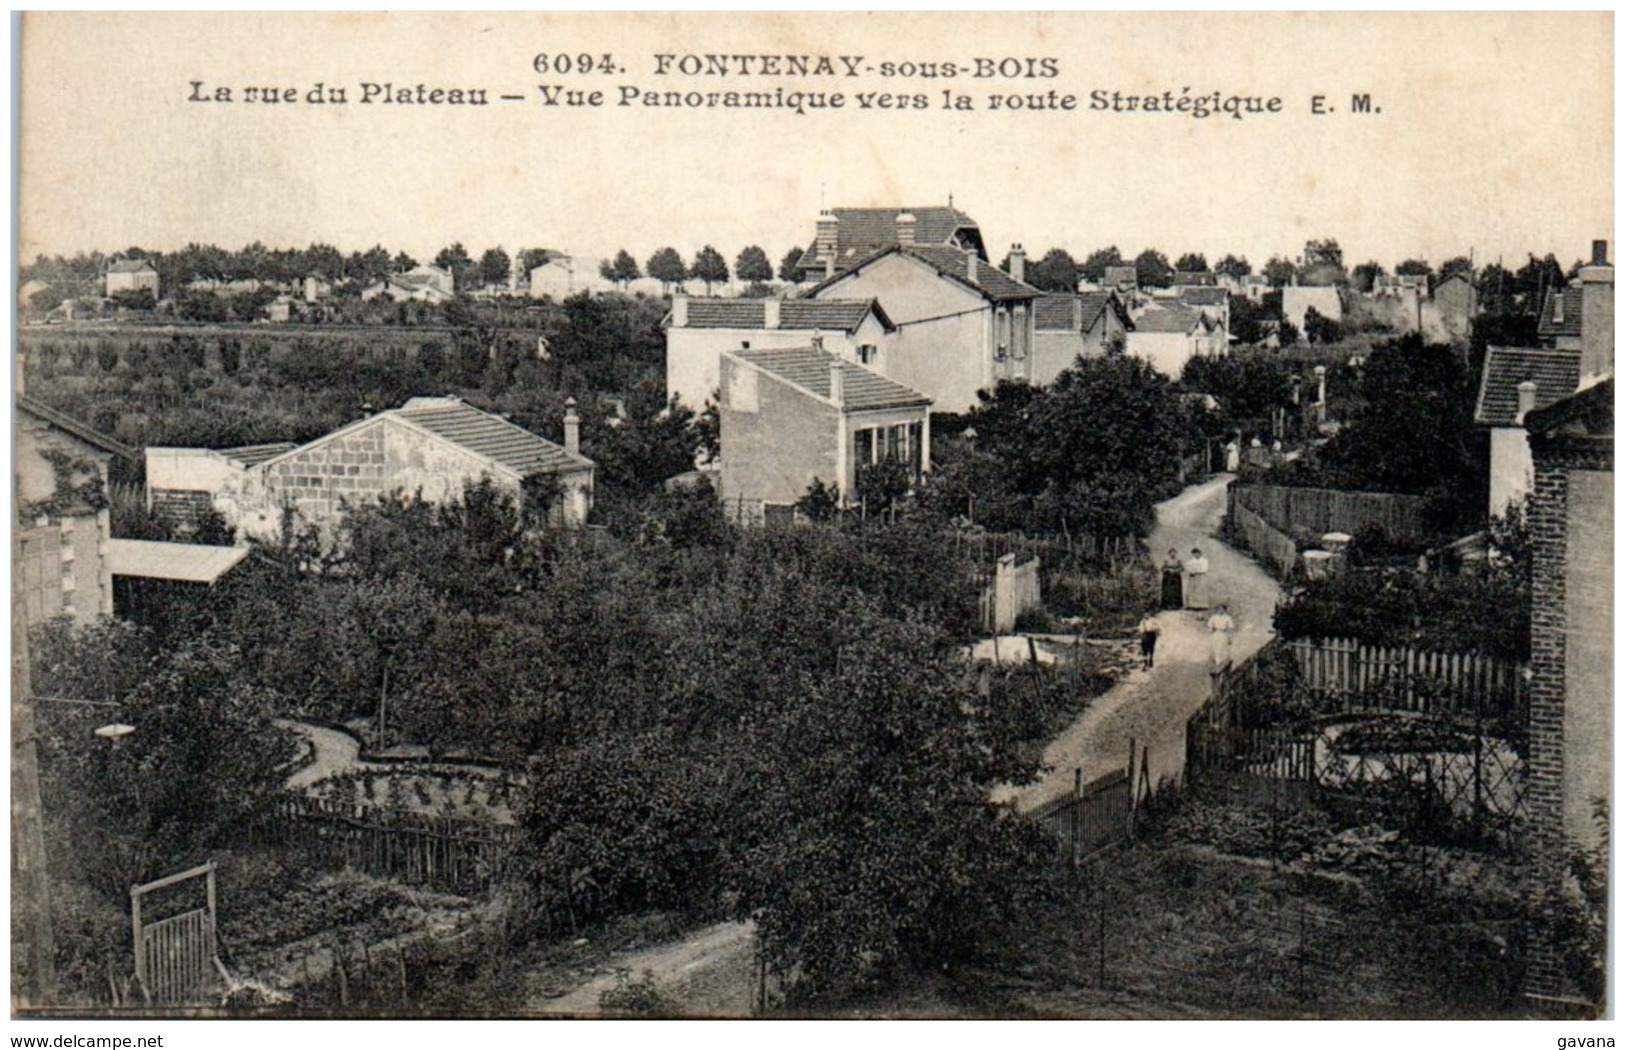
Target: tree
(1319,329)
(403,262)
(1057,271)
(1456,264)
(1151,269)
(666,266)
(1279,272)
(1323,253)
(1366,274)
(531,258)
(1287,333)
(623,270)
(455,258)
(1233,266)
(1094,267)
(790,265)
(1415,268)
(752,266)
(821,502)
(709,266)
(1192,262)
(495,267)
(1045,461)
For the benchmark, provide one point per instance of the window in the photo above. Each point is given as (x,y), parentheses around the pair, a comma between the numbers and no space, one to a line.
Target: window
(868,353)
(903,442)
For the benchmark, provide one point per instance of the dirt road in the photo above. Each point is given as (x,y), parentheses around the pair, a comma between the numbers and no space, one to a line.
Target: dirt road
(1151,708)
(708,974)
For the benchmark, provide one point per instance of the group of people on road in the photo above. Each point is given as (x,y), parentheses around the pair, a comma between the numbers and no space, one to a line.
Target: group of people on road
(1185,587)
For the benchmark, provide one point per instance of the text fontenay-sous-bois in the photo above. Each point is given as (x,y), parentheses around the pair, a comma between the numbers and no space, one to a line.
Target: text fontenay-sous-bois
(745,82)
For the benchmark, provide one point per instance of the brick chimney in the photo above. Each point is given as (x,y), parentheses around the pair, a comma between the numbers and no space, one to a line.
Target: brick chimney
(829,228)
(1597,313)
(572,427)
(1526,399)
(679,310)
(1018,263)
(970,266)
(837,383)
(906,226)
(1077,313)
(770,312)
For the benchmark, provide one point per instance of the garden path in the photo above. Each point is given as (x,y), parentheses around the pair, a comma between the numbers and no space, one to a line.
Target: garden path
(1151,708)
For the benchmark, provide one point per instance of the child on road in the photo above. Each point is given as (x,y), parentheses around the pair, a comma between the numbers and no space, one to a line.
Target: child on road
(1150,630)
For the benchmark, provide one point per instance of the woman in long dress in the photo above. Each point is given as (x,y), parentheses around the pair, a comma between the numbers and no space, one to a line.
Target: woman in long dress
(1173,581)
(1196,580)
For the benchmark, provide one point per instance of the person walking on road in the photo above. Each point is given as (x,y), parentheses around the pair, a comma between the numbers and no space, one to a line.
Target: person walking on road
(1196,596)
(1150,631)
(1220,629)
(1173,581)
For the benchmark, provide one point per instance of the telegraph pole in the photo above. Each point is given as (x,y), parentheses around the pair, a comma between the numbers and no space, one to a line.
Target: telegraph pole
(30,889)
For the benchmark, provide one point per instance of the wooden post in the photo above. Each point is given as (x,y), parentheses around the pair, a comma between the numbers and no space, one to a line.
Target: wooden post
(135,934)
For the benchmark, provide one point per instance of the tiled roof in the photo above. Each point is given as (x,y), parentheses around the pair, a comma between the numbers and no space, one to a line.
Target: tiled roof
(863,231)
(1555,374)
(1053,313)
(990,281)
(1167,319)
(1590,410)
(1550,326)
(1200,295)
(830,315)
(1194,279)
(1121,275)
(130,266)
(489,436)
(68,424)
(809,369)
(253,455)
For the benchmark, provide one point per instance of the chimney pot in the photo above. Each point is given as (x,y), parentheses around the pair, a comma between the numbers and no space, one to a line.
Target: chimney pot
(679,310)
(1599,253)
(1018,263)
(770,310)
(907,224)
(837,383)
(1526,398)
(572,427)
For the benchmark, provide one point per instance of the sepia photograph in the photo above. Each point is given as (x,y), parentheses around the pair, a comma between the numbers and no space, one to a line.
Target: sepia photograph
(840,516)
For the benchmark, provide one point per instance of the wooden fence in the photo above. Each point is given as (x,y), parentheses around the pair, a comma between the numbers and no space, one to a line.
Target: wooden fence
(1093,817)
(1319,511)
(1345,675)
(455,856)
(1277,549)
(176,958)
(1465,777)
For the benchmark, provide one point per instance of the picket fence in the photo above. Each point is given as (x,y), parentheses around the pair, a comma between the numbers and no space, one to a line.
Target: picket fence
(454,856)
(1344,675)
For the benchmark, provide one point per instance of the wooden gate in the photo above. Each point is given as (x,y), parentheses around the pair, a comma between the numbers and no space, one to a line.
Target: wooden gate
(176,957)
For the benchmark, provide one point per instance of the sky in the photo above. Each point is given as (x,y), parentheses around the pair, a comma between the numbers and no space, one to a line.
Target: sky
(1494,136)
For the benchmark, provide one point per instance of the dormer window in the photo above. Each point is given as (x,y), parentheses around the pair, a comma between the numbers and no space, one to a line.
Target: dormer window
(868,353)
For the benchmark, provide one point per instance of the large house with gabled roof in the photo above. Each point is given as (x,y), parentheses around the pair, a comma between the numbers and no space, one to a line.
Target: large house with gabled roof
(792,416)
(963,325)
(431,446)
(700,330)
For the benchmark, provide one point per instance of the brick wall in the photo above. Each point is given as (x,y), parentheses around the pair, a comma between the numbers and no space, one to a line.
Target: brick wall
(1560,638)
